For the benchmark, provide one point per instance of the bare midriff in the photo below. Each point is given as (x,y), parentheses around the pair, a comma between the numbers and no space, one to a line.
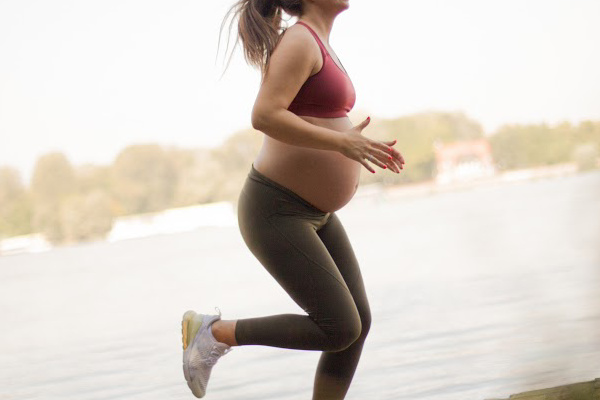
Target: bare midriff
(325,178)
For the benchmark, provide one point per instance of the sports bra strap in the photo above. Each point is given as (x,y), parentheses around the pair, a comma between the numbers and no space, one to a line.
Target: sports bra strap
(324,51)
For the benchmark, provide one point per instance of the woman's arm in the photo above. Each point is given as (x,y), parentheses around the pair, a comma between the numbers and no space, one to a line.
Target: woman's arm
(287,127)
(289,66)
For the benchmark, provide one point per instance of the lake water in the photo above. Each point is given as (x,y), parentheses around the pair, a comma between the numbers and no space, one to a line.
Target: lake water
(475,293)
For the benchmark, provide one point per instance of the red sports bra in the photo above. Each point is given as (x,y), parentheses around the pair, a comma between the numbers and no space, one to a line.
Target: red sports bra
(329,93)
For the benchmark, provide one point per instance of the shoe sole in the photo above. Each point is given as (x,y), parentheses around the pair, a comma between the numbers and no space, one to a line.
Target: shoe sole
(190,324)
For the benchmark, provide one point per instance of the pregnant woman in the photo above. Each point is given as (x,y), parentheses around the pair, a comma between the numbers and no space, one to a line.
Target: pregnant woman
(308,168)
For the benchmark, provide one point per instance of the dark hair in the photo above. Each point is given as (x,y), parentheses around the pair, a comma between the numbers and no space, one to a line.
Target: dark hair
(259,27)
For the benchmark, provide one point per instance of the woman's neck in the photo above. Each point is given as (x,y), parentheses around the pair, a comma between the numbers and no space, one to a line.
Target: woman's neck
(321,24)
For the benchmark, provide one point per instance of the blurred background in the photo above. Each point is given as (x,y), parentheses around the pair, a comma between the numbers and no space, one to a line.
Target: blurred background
(123,148)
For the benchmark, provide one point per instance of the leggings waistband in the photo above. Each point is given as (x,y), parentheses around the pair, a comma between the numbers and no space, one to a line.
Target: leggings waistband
(257,176)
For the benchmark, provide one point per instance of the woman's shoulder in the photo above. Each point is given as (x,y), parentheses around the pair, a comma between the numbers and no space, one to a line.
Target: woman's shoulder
(298,38)
(298,35)
(297,27)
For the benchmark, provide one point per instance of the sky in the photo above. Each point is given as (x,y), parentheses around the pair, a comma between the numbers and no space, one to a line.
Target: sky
(89,78)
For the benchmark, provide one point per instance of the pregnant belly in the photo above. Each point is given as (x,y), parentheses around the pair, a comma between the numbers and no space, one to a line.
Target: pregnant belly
(326,179)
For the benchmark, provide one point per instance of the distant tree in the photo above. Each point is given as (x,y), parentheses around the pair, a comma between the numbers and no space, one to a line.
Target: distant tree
(52,182)
(198,179)
(556,144)
(15,204)
(586,153)
(46,220)
(86,217)
(11,186)
(586,156)
(181,159)
(143,179)
(231,162)
(239,150)
(510,147)
(588,132)
(517,146)
(92,177)
(217,174)
(53,178)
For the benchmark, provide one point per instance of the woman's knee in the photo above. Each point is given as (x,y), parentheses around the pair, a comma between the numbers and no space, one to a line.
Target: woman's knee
(355,331)
(345,332)
(352,327)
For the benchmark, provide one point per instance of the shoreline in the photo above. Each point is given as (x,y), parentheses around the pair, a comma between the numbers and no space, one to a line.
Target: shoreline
(432,187)
(183,219)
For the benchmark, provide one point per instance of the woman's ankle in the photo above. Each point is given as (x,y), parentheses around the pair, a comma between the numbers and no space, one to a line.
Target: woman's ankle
(224,332)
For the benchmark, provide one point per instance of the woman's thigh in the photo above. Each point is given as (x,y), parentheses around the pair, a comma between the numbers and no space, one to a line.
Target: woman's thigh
(284,238)
(334,237)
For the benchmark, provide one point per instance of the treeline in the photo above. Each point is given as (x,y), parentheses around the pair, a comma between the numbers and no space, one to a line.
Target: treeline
(513,146)
(69,204)
(72,204)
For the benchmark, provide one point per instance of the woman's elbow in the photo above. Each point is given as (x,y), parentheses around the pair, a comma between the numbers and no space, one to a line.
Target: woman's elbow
(259,116)
(258,121)
(263,117)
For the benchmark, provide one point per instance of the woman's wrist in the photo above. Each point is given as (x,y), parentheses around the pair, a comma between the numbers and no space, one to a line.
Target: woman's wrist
(340,142)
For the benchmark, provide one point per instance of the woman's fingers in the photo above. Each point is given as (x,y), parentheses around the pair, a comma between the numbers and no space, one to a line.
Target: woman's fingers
(396,154)
(387,146)
(376,161)
(385,156)
(379,153)
(392,166)
(366,165)
(385,159)
(385,163)
(396,167)
(363,124)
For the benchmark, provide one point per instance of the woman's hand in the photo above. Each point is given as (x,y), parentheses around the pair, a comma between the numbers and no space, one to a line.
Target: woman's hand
(360,148)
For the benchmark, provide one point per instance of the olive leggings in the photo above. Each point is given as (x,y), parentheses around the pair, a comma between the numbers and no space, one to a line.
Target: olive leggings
(308,253)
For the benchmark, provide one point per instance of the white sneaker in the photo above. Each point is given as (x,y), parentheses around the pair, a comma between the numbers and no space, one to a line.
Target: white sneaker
(201,350)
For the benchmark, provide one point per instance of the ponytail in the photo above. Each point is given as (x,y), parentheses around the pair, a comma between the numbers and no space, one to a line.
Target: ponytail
(259,28)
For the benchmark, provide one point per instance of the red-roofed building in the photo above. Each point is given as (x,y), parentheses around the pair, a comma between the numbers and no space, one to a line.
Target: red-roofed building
(463,161)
